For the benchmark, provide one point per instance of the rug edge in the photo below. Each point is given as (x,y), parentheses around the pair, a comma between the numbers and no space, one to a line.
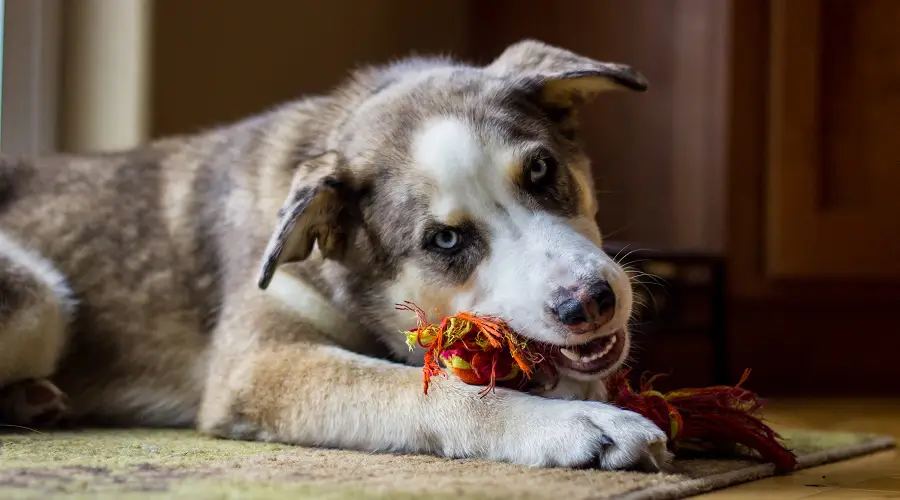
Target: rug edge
(707,484)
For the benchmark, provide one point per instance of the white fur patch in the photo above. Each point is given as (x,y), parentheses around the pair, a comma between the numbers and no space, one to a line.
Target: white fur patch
(467,170)
(448,153)
(448,150)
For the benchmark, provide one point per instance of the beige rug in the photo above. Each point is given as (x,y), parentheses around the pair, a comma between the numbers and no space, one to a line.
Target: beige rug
(181,464)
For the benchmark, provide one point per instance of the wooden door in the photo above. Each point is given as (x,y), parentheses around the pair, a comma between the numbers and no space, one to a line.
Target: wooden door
(833,173)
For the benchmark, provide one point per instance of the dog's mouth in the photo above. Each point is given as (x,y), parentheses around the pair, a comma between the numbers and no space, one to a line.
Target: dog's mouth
(592,357)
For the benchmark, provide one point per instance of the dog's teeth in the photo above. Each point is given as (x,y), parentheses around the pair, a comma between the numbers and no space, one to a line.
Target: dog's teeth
(574,356)
(570,354)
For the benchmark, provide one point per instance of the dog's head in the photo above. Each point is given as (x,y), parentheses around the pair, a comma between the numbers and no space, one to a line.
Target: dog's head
(465,189)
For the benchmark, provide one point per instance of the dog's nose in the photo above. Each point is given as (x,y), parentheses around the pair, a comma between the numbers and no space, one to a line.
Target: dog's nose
(571,312)
(594,305)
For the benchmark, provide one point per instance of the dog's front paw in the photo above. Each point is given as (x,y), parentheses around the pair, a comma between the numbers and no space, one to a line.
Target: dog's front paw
(585,434)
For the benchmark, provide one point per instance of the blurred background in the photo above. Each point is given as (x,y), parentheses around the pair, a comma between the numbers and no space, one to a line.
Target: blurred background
(752,188)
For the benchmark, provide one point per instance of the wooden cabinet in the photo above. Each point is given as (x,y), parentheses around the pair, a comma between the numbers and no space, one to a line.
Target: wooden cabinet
(813,238)
(814,165)
(833,171)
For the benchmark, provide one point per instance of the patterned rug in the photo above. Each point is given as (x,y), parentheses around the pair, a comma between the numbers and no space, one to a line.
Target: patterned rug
(126,464)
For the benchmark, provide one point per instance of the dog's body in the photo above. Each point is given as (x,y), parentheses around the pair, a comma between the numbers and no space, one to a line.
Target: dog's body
(133,281)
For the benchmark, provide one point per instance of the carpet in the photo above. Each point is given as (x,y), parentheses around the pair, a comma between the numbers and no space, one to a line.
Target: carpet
(124,464)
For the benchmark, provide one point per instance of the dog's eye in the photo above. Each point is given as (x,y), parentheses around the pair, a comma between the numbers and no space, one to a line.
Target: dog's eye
(540,168)
(447,239)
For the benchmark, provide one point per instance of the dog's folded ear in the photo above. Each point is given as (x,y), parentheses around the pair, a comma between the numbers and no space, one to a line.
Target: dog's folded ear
(563,78)
(310,214)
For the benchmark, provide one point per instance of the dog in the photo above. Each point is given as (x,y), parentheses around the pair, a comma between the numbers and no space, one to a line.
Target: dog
(243,280)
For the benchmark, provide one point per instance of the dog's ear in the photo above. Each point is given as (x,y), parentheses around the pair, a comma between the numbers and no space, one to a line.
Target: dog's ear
(311,213)
(562,78)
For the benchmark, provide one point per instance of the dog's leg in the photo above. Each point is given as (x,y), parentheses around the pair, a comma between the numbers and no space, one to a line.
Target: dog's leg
(34,306)
(320,395)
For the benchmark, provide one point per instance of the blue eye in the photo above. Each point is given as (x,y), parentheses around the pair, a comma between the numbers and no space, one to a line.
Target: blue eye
(537,170)
(540,169)
(447,239)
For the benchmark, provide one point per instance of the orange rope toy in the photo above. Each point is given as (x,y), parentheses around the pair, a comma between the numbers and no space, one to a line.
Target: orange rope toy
(483,350)
(480,350)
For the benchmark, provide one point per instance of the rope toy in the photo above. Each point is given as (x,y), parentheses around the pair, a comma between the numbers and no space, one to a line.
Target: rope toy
(717,419)
(480,350)
(483,350)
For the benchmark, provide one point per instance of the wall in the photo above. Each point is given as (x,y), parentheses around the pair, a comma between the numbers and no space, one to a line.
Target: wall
(220,60)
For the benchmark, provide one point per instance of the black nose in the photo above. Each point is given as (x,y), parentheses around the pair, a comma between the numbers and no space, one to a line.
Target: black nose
(599,306)
(571,312)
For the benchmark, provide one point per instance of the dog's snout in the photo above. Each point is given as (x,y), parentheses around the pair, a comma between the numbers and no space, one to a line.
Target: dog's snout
(593,306)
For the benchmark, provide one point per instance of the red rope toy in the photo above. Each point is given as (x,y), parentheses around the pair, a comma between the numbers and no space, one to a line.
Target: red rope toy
(483,350)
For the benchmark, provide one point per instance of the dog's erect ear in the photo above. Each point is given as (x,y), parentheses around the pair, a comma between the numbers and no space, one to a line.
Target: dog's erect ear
(310,214)
(564,79)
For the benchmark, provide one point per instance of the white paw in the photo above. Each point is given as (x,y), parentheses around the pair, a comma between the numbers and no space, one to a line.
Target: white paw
(547,432)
